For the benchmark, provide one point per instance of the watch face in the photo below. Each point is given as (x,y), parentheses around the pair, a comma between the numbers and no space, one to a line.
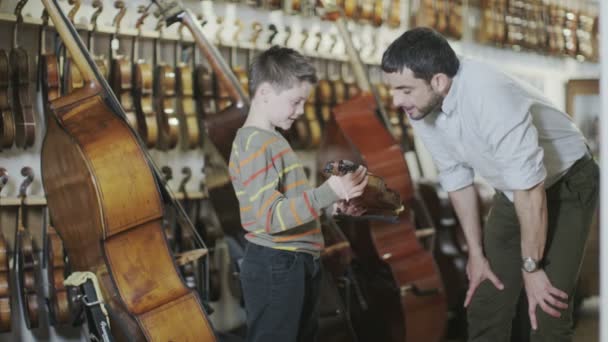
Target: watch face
(529,264)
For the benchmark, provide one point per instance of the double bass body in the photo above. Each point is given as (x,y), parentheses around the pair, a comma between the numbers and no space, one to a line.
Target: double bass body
(105,202)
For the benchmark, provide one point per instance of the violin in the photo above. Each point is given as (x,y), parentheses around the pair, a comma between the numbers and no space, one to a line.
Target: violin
(26,262)
(166,101)
(366,10)
(5,273)
(378,15)
(110,220)
(454,17)
(310,134)
(58,302)
(408,304)
(121,82)
(23,111)
(143,97)
(100,60)
(190,129)
(394,18)
(7,122)
(205,90)
(5,289)
(72,78)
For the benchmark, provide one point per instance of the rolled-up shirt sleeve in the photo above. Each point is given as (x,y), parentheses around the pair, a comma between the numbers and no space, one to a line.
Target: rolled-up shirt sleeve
(456,177)
(452,173)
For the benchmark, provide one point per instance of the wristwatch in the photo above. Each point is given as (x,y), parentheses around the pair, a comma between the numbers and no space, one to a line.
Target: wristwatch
(530,264)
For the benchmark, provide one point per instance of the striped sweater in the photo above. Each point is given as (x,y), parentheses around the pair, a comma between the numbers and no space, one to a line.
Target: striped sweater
(279,208)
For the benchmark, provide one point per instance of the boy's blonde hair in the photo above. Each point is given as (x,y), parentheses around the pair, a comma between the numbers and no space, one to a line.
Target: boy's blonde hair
(282,68)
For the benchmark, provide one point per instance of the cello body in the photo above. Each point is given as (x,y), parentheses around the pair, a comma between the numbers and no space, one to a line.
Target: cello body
(399,279)
(104,199)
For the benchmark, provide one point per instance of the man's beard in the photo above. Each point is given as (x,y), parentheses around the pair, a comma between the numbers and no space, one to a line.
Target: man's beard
(433,105)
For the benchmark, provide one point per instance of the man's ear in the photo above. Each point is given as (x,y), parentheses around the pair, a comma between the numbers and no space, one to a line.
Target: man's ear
(440,83)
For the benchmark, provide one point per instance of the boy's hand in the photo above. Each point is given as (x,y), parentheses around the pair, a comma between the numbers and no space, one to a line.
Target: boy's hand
(350,185)
(351,208)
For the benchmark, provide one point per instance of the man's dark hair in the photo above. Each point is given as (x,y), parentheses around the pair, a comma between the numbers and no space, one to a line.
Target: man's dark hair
(422,50)
(282,68)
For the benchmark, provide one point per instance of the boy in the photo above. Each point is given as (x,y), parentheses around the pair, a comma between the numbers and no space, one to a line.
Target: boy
(280,273)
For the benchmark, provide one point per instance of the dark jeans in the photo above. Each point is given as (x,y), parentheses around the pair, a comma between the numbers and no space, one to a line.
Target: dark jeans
(281,292)
(571,203)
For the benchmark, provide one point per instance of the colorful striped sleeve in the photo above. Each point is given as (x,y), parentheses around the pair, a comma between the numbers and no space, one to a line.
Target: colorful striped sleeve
(259,170)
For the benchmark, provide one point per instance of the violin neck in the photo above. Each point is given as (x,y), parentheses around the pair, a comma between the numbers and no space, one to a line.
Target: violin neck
(217,62)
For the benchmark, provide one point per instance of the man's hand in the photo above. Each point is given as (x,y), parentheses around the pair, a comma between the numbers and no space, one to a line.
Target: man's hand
(540,292)
(350,185)
(478,270)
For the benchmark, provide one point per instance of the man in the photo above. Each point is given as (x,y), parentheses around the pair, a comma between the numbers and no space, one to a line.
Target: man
(472,118)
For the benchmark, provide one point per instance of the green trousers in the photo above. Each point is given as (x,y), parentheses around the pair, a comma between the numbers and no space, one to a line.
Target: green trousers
(571,203)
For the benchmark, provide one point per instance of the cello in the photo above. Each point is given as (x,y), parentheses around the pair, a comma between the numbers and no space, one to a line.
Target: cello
(104,197)
(399,278)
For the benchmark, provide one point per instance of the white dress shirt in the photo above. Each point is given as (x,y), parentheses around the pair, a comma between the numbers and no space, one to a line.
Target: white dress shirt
(505,131)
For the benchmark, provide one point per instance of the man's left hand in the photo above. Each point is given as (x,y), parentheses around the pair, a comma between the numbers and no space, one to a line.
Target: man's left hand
(541,292)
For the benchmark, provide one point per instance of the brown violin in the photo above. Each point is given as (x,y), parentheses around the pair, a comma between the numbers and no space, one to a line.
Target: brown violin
(26,261)
(7,122)
(121,79)
(72,78)
(190,129)
(205,91)
(104,199)
(5,273)
(166,102)
(143,83)
(23,110)
(59,307)
(408,304)
(394,18)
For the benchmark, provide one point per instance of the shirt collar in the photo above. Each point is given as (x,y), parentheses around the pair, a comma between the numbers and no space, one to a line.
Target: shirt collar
(451,99)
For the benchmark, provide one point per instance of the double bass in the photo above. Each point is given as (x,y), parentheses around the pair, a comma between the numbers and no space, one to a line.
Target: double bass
(399,278)
(104,198)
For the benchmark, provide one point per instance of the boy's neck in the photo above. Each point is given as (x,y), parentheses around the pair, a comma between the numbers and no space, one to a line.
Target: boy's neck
(256,118)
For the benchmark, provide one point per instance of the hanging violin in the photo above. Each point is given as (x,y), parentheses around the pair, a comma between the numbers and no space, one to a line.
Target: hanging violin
(143,88)
(7,122)
(5,273)
(189,126)
(25,259)
(164,96)
(23,111)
